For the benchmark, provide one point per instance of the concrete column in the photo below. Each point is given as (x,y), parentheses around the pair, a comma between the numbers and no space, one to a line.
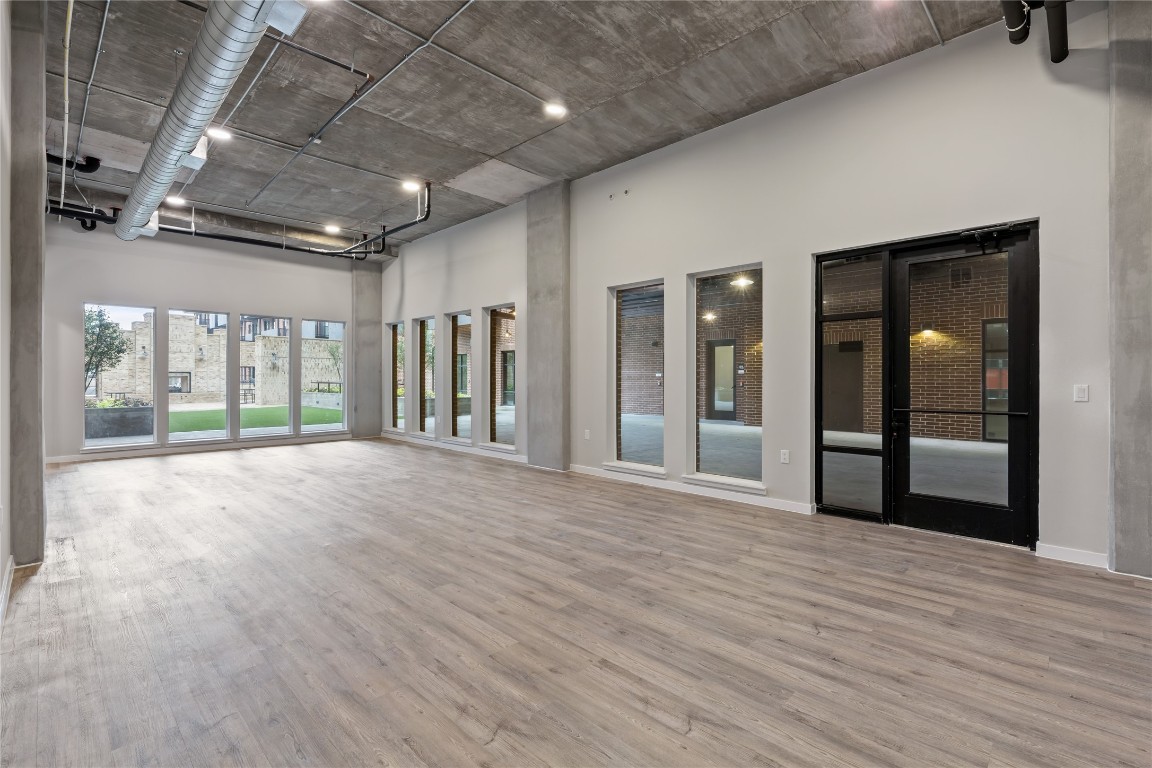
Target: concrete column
(1130,274)
(546,329)
(27,232)
(366,410)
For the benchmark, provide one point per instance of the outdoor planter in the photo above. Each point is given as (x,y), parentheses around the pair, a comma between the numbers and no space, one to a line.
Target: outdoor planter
(118,422)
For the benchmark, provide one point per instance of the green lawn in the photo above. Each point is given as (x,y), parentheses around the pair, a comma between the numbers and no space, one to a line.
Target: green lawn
(268,416)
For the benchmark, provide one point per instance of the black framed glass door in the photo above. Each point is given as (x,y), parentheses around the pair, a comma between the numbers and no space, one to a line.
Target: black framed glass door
(962,371)
(721,403)
(927,383)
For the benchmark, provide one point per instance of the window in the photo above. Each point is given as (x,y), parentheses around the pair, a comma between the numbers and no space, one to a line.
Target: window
(462,375)
(397,375)
(995,378)
(322,376)
(264,410)
(640,374)
(118,366)
(179,383)
(729,374)
(427,375)
(198,375)
(850,368)
(248,375)
(502,370)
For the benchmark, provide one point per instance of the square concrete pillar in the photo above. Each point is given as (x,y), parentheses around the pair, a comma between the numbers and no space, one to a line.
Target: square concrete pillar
(548,334)
(366,410)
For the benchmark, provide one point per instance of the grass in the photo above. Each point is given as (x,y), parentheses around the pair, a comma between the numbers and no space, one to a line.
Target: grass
(268,416)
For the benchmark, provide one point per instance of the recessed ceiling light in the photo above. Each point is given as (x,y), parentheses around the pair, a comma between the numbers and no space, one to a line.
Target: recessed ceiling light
(175,200)
(411,186)
(555,109)
(332,229)
(742,282)
(219,134)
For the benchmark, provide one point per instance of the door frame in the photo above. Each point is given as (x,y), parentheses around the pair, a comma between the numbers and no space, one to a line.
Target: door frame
(710,411)
(1028,232)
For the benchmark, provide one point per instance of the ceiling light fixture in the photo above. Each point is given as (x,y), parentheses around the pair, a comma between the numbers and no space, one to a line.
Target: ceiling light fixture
(219,134)
(709,316)
(332,229)
(555,109)
(742,282)
(411,186)
(175,200)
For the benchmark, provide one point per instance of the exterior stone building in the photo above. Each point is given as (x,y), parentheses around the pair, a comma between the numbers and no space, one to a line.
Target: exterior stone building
(197,367)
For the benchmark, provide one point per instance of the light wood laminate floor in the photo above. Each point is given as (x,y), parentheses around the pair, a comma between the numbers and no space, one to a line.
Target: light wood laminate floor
(380,603)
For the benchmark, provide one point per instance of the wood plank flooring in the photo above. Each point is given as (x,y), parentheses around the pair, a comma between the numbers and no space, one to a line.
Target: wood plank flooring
(378,603)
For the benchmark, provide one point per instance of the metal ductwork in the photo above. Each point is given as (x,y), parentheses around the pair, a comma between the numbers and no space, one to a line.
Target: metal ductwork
(227,39)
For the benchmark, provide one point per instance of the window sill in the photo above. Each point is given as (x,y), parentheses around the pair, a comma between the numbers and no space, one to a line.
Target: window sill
(119,447)
(722,483)
(420,436)
(499,447)
(466,441)
(630,468)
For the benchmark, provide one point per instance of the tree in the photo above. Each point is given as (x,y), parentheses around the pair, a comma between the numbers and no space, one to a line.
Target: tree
(104,344)
(336,357)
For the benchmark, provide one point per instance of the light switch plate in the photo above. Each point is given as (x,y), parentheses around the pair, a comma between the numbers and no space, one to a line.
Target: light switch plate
(785,457)
(587,434)
(1079,393)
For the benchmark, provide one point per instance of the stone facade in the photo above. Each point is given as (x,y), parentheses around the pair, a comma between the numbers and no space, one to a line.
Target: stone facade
(200,352)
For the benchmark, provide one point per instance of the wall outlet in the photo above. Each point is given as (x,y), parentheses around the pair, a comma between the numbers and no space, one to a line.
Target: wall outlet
(785,457)
(587,434)
(1079,393)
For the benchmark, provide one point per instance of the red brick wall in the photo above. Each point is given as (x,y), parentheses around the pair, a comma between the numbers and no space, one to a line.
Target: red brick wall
(640,355)
(947,365)
(852,285)
(739,315)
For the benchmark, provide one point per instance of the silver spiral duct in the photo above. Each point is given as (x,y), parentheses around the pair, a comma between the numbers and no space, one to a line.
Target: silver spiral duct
(226,40)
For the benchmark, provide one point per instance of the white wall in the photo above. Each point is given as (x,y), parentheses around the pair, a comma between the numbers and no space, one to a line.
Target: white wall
(5,275)
(166,272)
(973,133)
(476,265)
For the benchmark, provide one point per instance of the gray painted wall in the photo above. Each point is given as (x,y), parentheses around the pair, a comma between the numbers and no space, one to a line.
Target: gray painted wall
(1130,271)
(27,286)
(547,338)
(367,376)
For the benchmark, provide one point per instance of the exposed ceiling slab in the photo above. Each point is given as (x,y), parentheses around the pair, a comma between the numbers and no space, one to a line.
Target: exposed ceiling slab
(499,182)
(465,113)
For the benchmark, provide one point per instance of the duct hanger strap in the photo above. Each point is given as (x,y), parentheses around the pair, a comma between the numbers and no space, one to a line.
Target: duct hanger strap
(227,39)
(1027,13)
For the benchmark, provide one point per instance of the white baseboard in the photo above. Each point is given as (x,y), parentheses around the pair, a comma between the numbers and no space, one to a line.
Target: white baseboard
(1069,555)
(697,490)
(9,570)
(197,446)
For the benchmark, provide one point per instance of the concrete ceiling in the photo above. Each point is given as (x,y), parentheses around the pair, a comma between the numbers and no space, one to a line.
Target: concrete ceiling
(635,75)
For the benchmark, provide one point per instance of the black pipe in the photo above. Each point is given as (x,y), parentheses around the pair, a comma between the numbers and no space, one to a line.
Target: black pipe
(88,220)
(1057,11)
(1017,19)
(90,164)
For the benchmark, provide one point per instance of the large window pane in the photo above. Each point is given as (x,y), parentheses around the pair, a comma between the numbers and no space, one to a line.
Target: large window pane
(462,375)
(427,391)
(197,375)
(853,284)
(119,394)
(729,374)
(265,375)
(853,481)
(502,366)
(322,375)
(851,397)
(958,361)
(640,375)
(398,375)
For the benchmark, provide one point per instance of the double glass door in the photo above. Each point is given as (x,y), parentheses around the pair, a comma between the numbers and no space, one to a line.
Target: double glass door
(927,393)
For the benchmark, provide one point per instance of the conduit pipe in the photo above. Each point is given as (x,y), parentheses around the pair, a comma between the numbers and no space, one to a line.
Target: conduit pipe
(87,96)
(227,39)
(67,83)
(370,246)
